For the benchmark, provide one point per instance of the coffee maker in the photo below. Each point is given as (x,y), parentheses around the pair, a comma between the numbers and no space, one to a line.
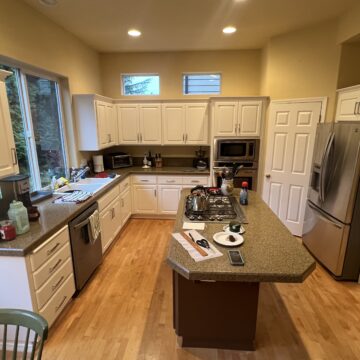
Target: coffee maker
(200,162)
(16,187)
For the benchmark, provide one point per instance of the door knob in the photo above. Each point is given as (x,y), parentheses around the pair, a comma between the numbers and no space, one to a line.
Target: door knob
(268,176)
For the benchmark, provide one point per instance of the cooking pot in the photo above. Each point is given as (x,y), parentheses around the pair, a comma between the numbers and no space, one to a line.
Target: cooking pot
(199,202)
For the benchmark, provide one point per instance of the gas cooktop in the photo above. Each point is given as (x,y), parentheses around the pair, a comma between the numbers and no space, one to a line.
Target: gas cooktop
(220,208)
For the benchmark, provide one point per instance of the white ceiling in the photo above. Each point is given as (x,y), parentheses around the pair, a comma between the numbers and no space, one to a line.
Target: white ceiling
(173,25)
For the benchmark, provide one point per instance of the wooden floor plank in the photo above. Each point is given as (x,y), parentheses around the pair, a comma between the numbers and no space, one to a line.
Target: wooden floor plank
(125,311)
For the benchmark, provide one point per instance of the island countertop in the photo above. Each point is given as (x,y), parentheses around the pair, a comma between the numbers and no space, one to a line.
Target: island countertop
(270,251)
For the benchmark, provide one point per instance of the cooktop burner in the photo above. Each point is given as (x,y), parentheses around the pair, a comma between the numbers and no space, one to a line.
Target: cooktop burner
(220,208)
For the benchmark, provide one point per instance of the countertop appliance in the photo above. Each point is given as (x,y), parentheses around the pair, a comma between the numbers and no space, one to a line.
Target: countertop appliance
(86,251)
(117,160)
(236,149)
(332,217)
(200,162)
(218,207)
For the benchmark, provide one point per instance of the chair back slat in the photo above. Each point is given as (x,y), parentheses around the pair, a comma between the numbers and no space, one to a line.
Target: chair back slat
(16,342)
(41,346)
(34,347)
(26,344)
(4,343)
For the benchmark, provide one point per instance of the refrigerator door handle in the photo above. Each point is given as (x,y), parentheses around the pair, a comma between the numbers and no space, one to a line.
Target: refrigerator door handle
(324,216)
(324,165)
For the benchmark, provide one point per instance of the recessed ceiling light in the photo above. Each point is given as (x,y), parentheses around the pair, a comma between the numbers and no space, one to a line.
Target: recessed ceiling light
(134,32)
(229,30)
(48,2)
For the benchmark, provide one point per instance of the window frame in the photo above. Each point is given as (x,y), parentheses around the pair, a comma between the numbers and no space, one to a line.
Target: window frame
(138,74)
(21,73)
(202,73)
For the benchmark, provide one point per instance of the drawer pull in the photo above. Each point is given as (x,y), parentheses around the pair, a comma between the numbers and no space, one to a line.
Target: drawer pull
(170,181)
(61,303)
(195,181)
(51,270)
(142,180)
(14,154)
(49,252)
(54,287)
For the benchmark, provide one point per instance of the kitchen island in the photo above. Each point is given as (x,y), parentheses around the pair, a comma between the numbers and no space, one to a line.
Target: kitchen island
(215,304)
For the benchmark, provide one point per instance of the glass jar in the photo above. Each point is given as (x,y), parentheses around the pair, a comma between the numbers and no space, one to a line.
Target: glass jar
(18,213)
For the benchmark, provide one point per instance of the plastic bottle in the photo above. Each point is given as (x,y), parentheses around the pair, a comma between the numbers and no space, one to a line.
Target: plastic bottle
(18,213)
(244,193)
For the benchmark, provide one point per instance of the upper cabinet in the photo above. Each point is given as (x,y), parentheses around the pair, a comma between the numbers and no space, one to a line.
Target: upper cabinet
(237,118)
(348,104)
(8,158)
(95,122)
(139,123)
(185,123)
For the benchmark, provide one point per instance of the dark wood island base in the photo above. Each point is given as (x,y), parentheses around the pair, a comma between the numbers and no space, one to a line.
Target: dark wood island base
(219,314)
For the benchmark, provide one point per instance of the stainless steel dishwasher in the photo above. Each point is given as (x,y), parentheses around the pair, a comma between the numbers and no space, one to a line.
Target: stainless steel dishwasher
(86,251)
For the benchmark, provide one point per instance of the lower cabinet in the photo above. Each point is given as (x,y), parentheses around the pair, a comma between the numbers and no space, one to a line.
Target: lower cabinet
(144,199)
(168,200)
(125,199)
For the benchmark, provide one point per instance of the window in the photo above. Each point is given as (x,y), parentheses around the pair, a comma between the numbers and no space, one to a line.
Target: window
(198,84)
(140,84)
(35,111)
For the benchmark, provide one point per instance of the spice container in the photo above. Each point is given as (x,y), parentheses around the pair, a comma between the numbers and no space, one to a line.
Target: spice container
(19,215)
(7,230)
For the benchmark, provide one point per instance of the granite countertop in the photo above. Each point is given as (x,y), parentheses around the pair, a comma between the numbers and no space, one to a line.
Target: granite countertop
(55,216)
(270,251)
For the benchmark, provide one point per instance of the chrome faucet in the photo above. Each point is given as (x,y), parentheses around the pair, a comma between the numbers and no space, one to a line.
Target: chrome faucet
(76,174)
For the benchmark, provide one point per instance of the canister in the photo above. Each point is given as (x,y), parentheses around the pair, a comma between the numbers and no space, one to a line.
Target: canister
(18,213)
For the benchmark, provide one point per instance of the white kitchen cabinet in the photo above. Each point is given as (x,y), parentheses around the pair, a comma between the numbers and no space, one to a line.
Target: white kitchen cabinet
(144,199)
(348,104)
(185,123)
(139,123)
(168,199)
(125,199)
(237,118)
(8,157)
(96,122)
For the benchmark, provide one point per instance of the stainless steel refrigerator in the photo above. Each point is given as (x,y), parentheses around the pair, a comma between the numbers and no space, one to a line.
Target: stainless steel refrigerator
(332,217)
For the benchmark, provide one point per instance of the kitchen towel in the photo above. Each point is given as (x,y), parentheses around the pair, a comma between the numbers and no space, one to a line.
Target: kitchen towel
(94,220)
(213,252)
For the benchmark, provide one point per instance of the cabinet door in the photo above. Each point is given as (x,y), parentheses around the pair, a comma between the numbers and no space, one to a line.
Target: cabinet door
(168,200)
(144,199)
(196,124)
(107,233)
(249,118)
(111,123)
(125,206)
(173,119)
(225,118)
(128,124)
(102,127)
(8,159)
(150,124)
(348,105)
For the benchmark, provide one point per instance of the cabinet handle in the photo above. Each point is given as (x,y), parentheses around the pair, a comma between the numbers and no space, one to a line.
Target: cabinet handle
(143,180)
(195,181)
(357,108)
(112,213)
(268,176)
(61,303)
(14,156)
(51,270)
(155,192)
(54,287)
(140,137)
(49,252)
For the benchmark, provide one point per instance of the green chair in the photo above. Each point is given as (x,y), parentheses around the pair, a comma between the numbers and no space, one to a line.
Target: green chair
(28,320)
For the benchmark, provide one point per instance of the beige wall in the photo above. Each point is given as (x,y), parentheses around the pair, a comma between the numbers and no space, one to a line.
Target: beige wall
(349,24)
(29,37)
(240,70)
(349,71)
(303,63)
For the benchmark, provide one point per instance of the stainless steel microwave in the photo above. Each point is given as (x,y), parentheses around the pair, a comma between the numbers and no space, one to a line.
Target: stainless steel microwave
(235,149)
(117,160)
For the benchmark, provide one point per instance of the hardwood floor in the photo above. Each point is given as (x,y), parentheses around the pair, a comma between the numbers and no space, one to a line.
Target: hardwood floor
(125,311)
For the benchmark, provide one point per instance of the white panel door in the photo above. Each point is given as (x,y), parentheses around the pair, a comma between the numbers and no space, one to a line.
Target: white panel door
(144,199)
(225,118)
(125,206)
(8,159)
(249,118)
(168,200)
(348,105)
(290,144)
(150,124)
(128,124)
(111,123)
(102,127)
(196,124)
(173,119)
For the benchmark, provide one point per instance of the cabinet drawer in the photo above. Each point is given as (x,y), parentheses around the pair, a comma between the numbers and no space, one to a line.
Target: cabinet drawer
(195,180)
(144,179)
(108,197)
(51,266)
(54,283)
(57,303)
(49,248)
(125,184)
(169,180)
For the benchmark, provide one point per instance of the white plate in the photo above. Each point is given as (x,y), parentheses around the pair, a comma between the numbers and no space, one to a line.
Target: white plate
(226,229)
(221,238)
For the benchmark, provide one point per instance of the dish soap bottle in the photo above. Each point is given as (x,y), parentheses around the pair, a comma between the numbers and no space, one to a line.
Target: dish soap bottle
(244,193)
(18,213)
